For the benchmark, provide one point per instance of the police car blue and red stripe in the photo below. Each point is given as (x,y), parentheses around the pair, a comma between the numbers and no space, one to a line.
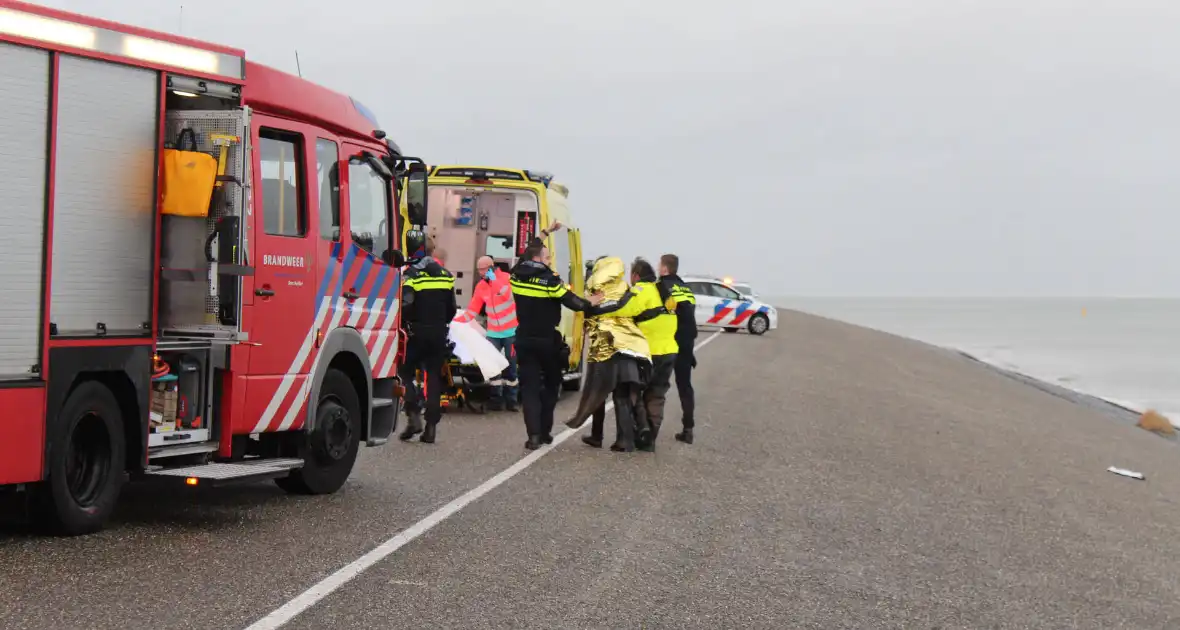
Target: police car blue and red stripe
(721,306)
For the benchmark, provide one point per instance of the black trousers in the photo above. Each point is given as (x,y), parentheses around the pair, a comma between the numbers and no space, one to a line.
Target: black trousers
(539,368)
(626,397)
(655,392)
(427,353)
(685,361)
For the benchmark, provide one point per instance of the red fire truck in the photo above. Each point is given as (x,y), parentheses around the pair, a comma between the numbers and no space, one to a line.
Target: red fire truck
(258,340)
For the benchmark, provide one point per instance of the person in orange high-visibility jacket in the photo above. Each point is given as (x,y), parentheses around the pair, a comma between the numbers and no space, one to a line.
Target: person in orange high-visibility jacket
(493,294)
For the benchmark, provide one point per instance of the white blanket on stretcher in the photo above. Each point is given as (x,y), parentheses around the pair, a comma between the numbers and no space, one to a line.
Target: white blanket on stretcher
(472,346)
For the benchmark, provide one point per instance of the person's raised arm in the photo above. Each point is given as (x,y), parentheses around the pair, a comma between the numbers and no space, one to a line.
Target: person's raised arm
(540,239)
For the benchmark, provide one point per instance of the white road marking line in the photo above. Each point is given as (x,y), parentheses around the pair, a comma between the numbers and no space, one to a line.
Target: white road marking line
(285,613)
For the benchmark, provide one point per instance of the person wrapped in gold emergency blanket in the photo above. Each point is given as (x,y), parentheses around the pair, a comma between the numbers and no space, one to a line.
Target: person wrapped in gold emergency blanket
(618,359)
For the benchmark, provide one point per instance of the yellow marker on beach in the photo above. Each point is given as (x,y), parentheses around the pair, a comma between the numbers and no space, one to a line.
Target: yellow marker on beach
(1083,312)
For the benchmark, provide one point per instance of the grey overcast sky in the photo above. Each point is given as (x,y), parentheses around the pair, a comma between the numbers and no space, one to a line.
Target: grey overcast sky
(825,147)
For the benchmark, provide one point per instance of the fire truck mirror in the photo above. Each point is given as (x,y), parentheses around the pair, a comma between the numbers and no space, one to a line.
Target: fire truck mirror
(416,198)
(377,165)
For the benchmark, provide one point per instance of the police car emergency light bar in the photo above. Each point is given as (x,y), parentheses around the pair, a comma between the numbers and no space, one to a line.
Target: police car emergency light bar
(106,41)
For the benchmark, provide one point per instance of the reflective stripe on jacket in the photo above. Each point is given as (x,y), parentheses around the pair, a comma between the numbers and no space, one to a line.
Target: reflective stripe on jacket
(539,294)
(428,298)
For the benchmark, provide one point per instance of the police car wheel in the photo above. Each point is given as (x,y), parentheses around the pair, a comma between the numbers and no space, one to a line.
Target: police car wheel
(330,449)
(759,324)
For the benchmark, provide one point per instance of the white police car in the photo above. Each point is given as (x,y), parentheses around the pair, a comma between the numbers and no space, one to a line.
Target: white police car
(721,306)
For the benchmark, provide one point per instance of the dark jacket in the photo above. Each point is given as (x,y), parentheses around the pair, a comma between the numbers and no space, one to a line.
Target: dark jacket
(428,299)
(539,294)
(686,307)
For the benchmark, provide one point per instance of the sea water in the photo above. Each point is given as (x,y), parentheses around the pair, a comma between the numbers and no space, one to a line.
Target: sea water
(1126,351)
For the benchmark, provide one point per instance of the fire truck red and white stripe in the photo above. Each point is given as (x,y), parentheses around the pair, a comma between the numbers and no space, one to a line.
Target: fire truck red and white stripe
(374,314)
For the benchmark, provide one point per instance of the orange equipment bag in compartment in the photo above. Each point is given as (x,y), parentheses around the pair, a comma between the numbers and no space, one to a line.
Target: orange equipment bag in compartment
(188,179)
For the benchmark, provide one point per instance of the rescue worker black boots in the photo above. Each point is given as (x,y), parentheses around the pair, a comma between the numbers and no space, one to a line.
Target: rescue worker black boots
(649,446)
(684,436)
(643,430)
(597,420)
(413,426)
(625,421)
(429,433)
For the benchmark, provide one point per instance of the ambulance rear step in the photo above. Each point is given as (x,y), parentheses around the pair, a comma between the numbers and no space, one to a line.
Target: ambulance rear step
(221,474)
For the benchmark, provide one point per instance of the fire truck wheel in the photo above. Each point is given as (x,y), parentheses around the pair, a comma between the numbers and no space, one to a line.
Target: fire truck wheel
(86,467)
(330,449)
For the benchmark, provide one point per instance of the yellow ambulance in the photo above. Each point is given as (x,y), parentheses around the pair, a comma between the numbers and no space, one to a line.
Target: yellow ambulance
(474,211)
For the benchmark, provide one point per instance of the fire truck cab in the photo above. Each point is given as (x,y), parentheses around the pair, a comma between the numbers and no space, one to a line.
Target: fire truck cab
(257,340)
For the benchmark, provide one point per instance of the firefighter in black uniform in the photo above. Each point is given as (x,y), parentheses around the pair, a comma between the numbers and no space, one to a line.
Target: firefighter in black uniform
(428,306)
(686,334)
(541,353)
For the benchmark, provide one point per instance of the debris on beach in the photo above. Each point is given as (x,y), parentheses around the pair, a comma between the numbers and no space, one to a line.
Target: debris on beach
(1154,421)
(1126,473)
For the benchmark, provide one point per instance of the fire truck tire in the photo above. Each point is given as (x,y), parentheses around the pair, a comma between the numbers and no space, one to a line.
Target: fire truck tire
(329,450)
(86,467)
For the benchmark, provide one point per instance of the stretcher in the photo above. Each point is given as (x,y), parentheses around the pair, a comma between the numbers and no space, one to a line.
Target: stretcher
(464,385)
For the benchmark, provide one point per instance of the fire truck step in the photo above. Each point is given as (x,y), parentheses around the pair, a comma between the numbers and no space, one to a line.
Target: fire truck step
(382,402)
(218,474)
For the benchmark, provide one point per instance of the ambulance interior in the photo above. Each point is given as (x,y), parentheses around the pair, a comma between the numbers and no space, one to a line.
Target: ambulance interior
(469,222)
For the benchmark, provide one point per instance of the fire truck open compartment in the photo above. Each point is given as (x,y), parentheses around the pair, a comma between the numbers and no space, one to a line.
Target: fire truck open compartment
(200,279)
(199,256)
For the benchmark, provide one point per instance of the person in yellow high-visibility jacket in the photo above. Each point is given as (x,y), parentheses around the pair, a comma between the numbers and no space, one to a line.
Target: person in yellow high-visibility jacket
(618,358)
(658,324)
(647,306)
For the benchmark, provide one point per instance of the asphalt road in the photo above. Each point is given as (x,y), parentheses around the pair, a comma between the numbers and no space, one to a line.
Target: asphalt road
(842,478)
